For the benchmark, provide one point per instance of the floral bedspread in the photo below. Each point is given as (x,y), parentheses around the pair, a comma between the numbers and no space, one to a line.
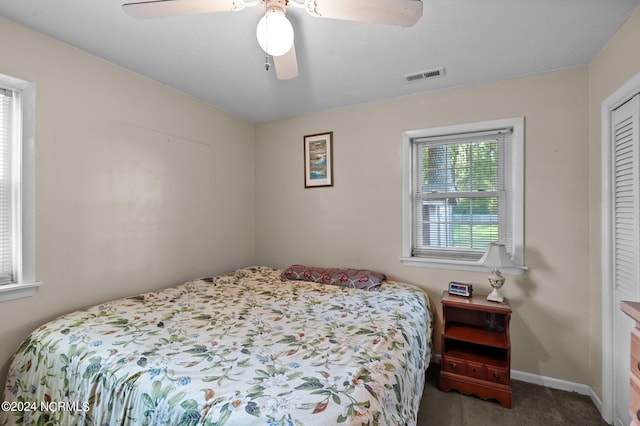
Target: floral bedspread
(239,349)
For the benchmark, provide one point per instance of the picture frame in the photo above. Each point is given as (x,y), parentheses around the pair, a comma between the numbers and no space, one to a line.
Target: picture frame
(318,160)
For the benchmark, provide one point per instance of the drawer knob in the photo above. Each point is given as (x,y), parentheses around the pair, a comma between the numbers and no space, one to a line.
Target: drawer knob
(454,366)
(475,370)
(496,375)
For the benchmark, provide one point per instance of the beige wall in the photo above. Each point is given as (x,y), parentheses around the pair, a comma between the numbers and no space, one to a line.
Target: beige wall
(614,65)
(358,221)
(137,185)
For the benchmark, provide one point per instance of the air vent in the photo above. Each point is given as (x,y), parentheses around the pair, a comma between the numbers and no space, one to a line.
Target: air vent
(423,75)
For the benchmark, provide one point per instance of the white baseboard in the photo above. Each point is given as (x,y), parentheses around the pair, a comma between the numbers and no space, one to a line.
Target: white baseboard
(549,382)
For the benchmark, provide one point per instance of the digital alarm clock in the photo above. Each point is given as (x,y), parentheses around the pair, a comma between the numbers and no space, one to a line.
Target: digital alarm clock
(460,289)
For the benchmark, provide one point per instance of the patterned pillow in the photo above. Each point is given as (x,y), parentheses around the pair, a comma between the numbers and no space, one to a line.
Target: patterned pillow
(354,278)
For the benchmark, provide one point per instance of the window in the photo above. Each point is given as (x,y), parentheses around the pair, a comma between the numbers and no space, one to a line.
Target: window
(463,190)
(17,215)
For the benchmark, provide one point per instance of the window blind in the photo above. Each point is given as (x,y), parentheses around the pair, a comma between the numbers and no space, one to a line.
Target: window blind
(6,243)
(461,194)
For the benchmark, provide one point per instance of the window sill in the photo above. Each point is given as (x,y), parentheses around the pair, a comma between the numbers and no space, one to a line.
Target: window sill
(456,265)
(18,291)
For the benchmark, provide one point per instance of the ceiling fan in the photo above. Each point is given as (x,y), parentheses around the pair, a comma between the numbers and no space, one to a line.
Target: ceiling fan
(274,32)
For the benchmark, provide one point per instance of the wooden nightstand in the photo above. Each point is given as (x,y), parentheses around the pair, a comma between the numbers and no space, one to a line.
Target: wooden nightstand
(476,349)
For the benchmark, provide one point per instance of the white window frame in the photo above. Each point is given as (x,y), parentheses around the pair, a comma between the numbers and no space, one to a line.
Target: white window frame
(515,181)
(23,171)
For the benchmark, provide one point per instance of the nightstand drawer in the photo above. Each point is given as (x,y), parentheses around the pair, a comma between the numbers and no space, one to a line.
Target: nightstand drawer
(454,365)
(476,370)
(498,375)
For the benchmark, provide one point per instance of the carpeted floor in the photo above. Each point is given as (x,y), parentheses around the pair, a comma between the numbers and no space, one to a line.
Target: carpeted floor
(533,405)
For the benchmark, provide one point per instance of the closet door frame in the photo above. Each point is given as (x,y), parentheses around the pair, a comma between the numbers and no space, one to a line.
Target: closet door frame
(609,310)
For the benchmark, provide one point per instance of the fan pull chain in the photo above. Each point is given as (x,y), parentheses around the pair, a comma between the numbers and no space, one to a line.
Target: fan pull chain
(266,30)
(267,65)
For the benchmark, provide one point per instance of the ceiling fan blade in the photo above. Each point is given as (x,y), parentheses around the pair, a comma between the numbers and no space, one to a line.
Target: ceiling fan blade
(286,65)
(404,13)
(164,8)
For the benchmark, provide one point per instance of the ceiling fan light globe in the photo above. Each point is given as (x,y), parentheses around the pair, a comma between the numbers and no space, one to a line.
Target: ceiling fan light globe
(275,33)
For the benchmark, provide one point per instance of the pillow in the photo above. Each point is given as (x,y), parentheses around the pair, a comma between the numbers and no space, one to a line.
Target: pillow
(353,278)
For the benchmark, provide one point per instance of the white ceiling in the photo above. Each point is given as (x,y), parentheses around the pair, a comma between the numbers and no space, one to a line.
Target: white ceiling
(216,57)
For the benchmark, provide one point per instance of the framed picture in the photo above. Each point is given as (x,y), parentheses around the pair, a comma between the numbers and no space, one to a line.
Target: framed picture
(318,160)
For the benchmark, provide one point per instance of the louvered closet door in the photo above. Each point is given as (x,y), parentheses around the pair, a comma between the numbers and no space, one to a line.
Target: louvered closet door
(625,194)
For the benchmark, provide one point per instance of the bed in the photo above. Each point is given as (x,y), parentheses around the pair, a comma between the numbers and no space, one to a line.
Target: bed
(257,346)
